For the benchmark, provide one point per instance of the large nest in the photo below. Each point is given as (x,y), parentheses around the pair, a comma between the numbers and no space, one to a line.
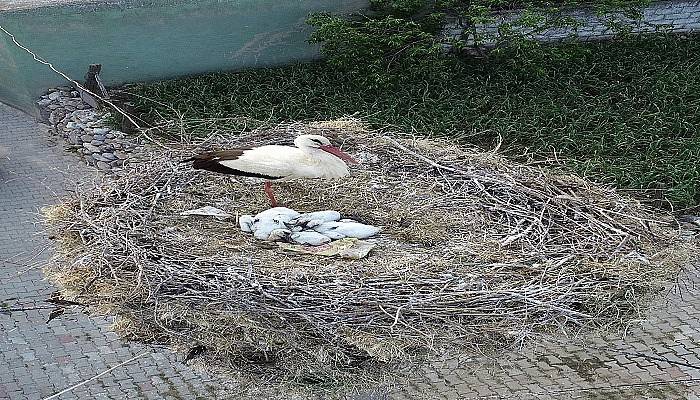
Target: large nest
(476,251)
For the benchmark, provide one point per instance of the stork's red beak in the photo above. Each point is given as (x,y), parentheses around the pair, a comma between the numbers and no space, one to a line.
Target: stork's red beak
(338,153)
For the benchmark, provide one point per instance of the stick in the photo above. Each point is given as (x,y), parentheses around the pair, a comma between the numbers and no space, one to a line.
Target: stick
(421,157)
(53,396)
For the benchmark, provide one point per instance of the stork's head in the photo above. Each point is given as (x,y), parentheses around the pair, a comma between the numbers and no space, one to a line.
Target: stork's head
(322,143)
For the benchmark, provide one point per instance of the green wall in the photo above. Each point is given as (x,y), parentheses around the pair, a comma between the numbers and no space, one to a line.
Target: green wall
(147,40)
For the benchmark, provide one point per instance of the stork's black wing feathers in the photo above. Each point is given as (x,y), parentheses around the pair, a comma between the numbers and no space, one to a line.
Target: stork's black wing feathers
(211,161)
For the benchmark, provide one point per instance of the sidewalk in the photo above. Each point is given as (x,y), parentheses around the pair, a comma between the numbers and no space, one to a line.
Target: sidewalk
(39,359)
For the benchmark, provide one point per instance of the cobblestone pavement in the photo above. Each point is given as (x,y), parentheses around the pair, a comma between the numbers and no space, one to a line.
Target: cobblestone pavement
(39,359)
(657,359)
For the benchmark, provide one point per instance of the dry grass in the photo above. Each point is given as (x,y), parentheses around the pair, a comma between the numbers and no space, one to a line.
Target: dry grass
(475,252)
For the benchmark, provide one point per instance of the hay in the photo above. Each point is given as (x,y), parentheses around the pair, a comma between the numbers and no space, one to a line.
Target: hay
(476,251)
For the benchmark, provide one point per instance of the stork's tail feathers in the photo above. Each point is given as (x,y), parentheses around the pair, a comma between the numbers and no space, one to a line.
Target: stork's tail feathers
(202,161)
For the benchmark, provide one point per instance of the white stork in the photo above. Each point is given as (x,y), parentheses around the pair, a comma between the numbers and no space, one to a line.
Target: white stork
(313,157)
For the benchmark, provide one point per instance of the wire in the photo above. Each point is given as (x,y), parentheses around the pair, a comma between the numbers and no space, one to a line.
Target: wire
(68,78)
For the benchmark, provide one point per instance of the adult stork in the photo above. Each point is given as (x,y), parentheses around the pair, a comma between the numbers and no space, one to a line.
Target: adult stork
(313,157)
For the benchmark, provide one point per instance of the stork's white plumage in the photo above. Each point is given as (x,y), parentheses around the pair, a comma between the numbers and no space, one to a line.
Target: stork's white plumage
(349,229)
(312,219)
(313,157)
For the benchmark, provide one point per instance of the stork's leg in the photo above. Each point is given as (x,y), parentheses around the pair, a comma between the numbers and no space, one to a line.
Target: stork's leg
(270,195)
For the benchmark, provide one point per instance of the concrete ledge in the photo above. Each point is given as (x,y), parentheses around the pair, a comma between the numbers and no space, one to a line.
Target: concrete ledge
(12,5)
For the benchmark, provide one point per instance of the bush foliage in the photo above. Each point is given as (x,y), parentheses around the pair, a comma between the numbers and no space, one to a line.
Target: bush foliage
(378,48)
(624,112)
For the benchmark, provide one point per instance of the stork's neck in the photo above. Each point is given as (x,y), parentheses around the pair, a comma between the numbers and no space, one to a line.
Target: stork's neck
(333,166)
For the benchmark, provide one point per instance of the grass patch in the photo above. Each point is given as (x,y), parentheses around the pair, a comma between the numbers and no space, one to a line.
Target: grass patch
(624,112)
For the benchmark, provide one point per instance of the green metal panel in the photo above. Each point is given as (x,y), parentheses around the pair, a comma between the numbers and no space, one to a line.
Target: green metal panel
(146,40)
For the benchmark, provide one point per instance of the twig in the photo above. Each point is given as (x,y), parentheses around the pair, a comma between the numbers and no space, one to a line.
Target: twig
(65,76)
(77,385)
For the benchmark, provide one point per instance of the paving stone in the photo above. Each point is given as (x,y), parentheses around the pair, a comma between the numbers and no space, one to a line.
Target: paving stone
(36,359)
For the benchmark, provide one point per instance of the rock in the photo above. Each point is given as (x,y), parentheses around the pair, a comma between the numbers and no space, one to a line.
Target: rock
(98,157)
(84,116)
(73,137)
(86,138)
(101,138)
(117,163)
(54,95)
(690,221)
(121,155)
(91,147)
(109,156)
(82,106)
(107,148)
(101,131)
(67,101)
(43,102)
(110,136)
(103,166)
(96,142)
(53,106)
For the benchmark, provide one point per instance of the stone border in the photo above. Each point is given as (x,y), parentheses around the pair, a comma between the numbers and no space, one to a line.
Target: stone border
(87,130)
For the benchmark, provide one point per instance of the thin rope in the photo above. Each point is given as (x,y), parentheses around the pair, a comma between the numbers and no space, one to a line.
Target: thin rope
(68,78)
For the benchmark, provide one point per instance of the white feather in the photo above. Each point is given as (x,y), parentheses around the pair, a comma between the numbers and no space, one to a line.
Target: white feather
(282,213)
(349,229)
(322,216)
(289,162)
(246,223)
(334,234)
(278,235)
(309,238)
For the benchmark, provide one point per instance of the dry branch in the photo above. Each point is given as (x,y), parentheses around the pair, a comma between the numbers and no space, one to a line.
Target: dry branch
(476,251)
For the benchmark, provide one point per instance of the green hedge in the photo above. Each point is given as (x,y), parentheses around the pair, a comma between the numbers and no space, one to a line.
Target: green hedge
(625,112)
